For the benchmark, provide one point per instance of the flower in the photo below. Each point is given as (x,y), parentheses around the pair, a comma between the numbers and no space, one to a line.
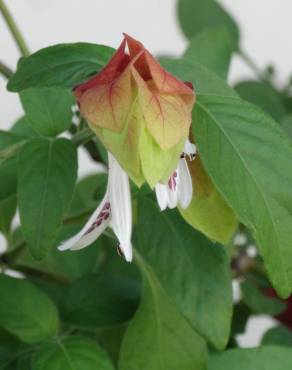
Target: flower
(115,210)
(179,188)
(140,112)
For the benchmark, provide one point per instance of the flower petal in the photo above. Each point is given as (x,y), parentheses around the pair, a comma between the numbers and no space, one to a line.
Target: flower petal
(161,195)
(95,226)
(190,148)
(120,199)
(185,186)
(172,192)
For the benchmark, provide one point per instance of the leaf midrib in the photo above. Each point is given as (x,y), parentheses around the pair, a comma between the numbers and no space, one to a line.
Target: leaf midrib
(44,198)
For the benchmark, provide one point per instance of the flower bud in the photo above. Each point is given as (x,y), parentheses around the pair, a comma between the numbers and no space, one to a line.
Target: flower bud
(140,112)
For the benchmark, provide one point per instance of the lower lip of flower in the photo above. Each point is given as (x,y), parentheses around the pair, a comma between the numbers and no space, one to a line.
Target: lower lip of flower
(103,216)
(172,181)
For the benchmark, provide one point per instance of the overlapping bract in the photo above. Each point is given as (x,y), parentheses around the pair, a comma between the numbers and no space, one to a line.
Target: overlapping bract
(139,111)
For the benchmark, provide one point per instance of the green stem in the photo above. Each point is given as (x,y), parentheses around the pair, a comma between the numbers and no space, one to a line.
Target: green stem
(83,136)
(14,29)
(5,71)
(38,274)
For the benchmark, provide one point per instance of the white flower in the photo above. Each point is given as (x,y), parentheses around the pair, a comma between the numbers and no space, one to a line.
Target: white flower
(115,210)
(179,189)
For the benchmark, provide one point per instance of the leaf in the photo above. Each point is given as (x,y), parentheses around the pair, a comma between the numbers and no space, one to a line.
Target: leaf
(212,48)
(22,128)
(279,335)
(208,201)
(241,314)
(187,266)
(99,301)
(9,347)
(249,160)
(8,169)
(111,340)
(47,175)
(7,212)
(197,15)
(68,265)
(19,314)
(262,95)
(63,65)
(48,110)
(72,353)
(255,299)
(75,264)
(22,361)
(87,194)
(263,358)
(168,342)
(286,125)
(204,80)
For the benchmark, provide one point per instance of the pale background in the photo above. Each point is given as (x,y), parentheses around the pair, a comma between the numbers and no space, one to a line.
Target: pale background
(265,34)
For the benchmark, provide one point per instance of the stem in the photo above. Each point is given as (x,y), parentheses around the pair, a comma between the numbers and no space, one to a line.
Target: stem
(39,274)
(5,71)
(14,29)
(83,136)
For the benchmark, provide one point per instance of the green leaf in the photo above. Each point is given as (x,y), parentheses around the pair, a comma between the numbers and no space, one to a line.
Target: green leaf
(47,175)
(88,192)
(8,169)
(235,140)
(22,128)
(263,358)
(48,110)
(187,266)
(286,125)
(241,314)
(197,15)
(68,265)
(25,311)
(99,301)
(262,95)
(255,299)
(205,81)
(212,48)
(9,347)
(208,201)
(159,338)
(22,360)
(64,65)
(7,212)
(72,353)
(279,335)
(75,264)
(111,340)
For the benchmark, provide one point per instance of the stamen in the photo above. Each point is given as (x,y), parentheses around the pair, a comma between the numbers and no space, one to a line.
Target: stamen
(191,156)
